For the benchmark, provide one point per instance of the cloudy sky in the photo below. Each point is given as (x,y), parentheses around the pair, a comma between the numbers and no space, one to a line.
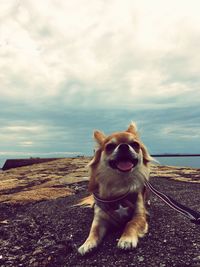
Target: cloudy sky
(68,67)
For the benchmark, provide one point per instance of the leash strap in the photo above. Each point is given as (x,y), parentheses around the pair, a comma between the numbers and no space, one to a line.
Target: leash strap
(194,216)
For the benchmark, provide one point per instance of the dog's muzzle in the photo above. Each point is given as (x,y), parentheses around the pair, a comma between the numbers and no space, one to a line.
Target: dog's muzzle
(125,158)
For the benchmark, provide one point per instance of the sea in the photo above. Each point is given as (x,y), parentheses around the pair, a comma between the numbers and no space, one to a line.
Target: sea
(193,162)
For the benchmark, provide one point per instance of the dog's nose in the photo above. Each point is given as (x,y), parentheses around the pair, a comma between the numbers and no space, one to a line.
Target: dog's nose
(123,148)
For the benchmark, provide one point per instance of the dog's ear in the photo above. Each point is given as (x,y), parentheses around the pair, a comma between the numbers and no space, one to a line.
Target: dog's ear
(132,128)
(146,156)
(93,185)
(99,137)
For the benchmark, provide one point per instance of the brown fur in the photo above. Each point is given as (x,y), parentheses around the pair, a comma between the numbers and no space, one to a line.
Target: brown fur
(110,183)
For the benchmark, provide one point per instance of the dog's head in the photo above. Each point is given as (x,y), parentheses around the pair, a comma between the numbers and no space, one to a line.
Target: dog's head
(120,155)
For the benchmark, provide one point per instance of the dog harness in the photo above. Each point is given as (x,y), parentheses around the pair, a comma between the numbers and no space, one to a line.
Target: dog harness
(121,209)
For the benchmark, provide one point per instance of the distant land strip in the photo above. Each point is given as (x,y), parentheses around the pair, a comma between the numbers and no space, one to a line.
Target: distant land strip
(15,163)
(174,155)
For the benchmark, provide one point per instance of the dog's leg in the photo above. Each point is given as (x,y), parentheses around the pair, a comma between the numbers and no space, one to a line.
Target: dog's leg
(135,228)
(97,232)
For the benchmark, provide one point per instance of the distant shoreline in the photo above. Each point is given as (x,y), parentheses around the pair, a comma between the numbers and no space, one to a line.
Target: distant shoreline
(181,160)
(175,155)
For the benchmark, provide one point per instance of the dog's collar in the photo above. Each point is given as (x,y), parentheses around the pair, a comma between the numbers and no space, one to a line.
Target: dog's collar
(120,209)
(110,200)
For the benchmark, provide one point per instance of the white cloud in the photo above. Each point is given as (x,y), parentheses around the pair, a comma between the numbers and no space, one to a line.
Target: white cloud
(180,131)
(17,135)
(62,55)
(26,144)
(103,46)
(21,129)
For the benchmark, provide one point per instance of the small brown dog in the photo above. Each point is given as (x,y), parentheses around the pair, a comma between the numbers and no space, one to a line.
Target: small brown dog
(117,174)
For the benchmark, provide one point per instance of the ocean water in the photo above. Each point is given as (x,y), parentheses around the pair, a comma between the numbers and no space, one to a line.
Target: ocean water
(193,162)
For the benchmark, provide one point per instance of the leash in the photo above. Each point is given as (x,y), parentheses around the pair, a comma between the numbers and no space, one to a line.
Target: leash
(194,216)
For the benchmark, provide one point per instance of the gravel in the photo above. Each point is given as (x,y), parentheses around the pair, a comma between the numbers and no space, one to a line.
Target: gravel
(48,233)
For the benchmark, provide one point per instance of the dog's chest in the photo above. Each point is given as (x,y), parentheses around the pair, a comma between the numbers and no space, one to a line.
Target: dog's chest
(119,210)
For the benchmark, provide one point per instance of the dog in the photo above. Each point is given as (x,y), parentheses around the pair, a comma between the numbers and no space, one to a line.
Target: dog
(118,171)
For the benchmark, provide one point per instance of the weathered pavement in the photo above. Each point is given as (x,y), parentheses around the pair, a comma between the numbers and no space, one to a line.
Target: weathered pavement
(47,232)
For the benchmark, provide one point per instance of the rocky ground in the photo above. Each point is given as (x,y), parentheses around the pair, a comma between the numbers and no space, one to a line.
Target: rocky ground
(39,226)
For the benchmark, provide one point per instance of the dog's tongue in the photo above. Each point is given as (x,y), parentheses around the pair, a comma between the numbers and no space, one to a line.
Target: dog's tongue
(125,165)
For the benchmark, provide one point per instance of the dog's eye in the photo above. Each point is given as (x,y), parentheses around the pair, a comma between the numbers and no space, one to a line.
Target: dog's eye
(135,145)
(110,147)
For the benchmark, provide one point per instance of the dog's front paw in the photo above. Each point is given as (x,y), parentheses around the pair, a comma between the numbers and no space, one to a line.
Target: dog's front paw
(87,247)
(128,242)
